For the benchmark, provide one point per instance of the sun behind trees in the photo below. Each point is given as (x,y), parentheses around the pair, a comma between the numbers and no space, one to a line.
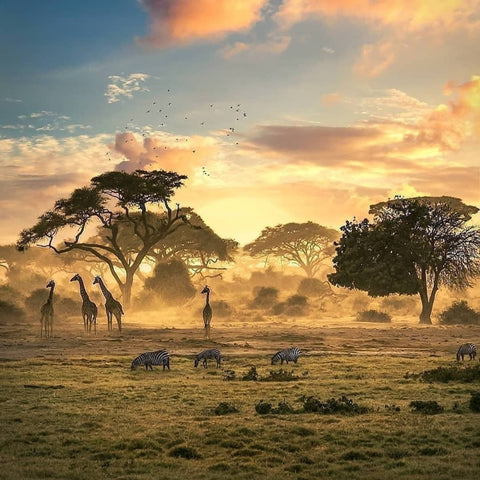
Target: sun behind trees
(112,199)
(413,246)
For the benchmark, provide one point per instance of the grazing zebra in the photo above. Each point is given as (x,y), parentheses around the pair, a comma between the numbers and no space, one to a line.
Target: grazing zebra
(287,355)
(213,353)
(160,357)
(467,349)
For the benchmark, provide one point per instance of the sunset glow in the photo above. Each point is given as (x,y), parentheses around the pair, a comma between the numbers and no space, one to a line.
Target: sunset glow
(277,111)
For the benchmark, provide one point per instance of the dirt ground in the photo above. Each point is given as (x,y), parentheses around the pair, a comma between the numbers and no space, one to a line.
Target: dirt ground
(260,336)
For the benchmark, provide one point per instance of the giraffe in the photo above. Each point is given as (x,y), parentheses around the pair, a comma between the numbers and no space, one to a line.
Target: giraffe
(112,306)
(89,309)
(46,313)
(207,311)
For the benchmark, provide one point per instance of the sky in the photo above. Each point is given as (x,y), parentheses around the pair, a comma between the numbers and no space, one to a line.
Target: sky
(277,111)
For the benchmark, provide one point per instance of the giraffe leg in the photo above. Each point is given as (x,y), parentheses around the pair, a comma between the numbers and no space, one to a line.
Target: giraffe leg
(119,322)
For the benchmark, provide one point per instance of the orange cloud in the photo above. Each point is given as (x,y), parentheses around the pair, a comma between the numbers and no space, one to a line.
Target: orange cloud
(180,22)
(406,14)
(180,154)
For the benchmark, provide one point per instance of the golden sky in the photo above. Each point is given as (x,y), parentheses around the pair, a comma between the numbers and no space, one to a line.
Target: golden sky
(277,111)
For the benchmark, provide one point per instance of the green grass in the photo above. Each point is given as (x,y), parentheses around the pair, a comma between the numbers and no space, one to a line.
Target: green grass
(88,416)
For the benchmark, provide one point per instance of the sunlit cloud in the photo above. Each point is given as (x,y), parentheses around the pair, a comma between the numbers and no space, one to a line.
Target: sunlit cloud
(181,22)
(330,99)
(411,15)
(12,100)
(374,59)
(125,86)
(161,150)
(275,44)
(42,169)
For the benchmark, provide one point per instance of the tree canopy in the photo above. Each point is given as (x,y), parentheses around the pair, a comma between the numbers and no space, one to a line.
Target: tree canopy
(413,246)
(306,245)
(112,199)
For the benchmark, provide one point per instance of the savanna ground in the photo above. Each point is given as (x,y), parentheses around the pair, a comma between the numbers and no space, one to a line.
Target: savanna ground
(71,408)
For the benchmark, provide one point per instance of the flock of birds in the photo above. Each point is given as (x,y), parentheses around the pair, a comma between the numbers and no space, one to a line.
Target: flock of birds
(162,112)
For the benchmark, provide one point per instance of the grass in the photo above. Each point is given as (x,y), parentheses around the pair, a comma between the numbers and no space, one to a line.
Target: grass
(71,408)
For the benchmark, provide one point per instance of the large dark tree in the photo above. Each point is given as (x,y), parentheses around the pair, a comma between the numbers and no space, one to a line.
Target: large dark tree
(413,246)
(306,245)
(112,199)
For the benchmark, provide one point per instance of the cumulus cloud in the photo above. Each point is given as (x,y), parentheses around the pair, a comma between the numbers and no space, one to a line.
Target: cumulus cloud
(125,86)
(163,151)
(181,22)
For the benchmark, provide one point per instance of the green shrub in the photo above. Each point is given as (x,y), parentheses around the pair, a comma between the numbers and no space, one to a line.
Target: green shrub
(262,408)
(373,316)
(475,402)
(459,313)
(430,407)
(342,405)
(458,373)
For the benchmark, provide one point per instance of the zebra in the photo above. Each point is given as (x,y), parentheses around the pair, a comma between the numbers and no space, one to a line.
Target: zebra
(467,349)
(213,353)
(287,355)
(160,357)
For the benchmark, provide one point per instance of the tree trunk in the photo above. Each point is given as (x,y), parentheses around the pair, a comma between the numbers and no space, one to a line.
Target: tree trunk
(425,315)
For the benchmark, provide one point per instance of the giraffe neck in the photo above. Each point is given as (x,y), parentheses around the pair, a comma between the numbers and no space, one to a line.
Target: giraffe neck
(208,298)
(105,292)
(50,296)
(83,292)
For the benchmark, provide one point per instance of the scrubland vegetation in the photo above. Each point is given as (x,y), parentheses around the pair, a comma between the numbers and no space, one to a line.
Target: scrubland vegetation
(362,403)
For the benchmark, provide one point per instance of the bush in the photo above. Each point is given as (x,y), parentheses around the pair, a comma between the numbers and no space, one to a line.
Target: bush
(62,306)
(294,306)
(225,408)
(265,297)
(171,282)
(264,408)
(342,405)
(251,375)
(430,407)
(459,313)
(222,309)
(373,316)
(475,402)
(313,287)
(11,295)
(280,376)
(457,373)
(184,452)
(10,312)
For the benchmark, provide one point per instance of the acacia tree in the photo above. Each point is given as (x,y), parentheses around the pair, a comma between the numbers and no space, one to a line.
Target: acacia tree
(307,245)
(201,249)
(111,199)
(413,246)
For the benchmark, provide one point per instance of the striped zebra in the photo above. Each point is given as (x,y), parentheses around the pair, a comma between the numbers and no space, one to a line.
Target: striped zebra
(160,357)
(467,349)
(211,354)
(287,355)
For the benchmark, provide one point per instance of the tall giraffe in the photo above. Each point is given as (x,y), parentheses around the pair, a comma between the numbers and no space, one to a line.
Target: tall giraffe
(207,311)
(112,306)
(46,313)
(89,309)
